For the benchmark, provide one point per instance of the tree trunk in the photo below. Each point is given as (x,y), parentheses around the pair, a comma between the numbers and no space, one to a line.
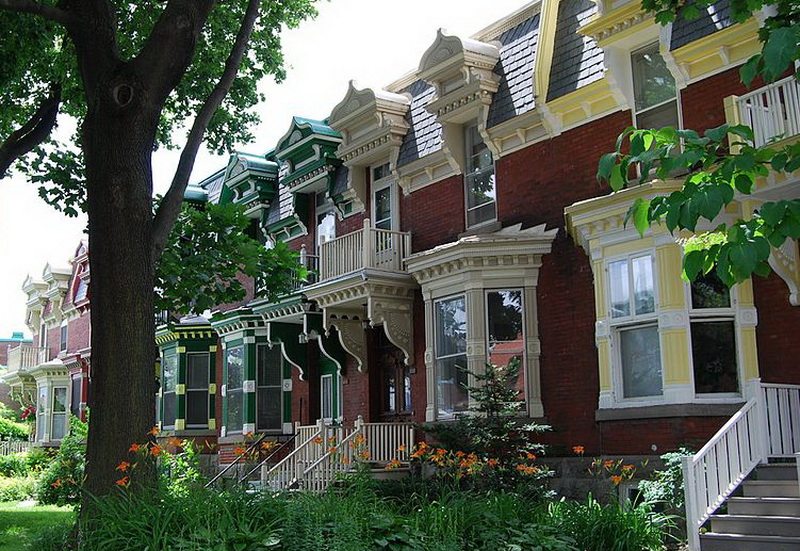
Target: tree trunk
(117,139)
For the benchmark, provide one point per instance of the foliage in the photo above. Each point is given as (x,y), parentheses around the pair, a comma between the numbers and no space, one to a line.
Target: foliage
(190,282)
(616,471)
(14,464)
(180,470)
(12,430)
(17,488)
(39,528)
(666,486)
(720,163)
(61,482)
(490,437)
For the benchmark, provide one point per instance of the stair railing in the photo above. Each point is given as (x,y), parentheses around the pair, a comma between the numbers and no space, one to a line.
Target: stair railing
(290,468)
(238,460)
(338,458)
(266,460)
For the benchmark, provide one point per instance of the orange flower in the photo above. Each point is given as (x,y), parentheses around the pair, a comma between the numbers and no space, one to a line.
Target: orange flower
(248,435)
(628,468)
(393,464)
(492,462)
(123,466)
(318,440)
(364,455)
(331,440)
(578,450)
(359,439)
(401,448)
(441,452)
(175,442)
(332,449)
(529,455)
(239,450)
(56,484)
(345,460)
(460,454)
(154,431)
(134,448)
(608,463)
(123,482)
(616,479)
(267,445)
(155,451)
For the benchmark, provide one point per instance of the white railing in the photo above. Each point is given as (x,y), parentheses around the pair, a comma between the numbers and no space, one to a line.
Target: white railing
(388,441)
(768,425)
(25,356)
(772,111)
(366,248)
(281,475)
(7,447)
(340,457)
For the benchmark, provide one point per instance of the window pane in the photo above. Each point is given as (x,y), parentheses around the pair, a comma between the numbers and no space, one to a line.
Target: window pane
(169,409)
(620,289)
(482,214)
(659,117)
(641,362)
(197,408)
(451,327)
(60,399)
(406,390)
(451,381)
(235,417)
(197,366)
(326,394)
(169,368)
(708,291)
(268,407)
(714,357)
(235,361)
(59,426)
(380,172)
(643,290)
(326,227)
(383,208)
(505,339)
(75,404)
(63,337)
(480,187)
(652,81)
(270,366)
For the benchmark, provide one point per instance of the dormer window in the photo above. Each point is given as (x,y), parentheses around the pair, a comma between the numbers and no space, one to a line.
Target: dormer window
(479,180)
(383,198)
(655,94)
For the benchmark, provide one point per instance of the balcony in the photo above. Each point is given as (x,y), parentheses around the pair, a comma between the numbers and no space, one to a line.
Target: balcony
(773,111)
(24,357)
(363,282)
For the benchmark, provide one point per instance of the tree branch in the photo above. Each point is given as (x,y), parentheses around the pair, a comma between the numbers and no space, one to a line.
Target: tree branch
(42,10)
(170,205)
(33,132)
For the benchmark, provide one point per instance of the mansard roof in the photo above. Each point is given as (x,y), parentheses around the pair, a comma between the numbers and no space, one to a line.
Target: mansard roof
(425,133)
(714,18)
(302,127)
(577,59)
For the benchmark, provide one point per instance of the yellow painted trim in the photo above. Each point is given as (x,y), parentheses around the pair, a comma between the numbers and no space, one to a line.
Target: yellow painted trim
(749,352)
(591,100)
(669,265)
(212,424)
(212,388)
(617,24)
(180,424)
(599,289)
(212,348)
(722,49)
(744,293)
(180,349)
(628,247)
(604,361)
(180,390)
(544,56)
(675,349)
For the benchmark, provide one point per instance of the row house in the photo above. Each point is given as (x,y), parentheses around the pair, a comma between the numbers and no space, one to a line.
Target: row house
(453,218)
(51,373)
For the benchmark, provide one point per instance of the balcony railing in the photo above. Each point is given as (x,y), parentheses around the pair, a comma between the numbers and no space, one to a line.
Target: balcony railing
(366,248)
(773,111)
(25,356)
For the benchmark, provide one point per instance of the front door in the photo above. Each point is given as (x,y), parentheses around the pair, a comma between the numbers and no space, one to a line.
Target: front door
(395,377)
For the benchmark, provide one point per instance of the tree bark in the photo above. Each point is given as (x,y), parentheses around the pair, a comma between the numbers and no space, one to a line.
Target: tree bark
(118,134)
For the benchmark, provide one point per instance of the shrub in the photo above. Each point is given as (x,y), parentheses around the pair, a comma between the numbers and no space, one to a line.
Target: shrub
(667,484)
(15,464)
(39,458)
(17,489)
(60,483)
(12,430)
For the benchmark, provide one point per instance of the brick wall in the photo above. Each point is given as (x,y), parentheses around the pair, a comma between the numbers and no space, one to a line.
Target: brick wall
(78,332)
(778,328)
(434,214)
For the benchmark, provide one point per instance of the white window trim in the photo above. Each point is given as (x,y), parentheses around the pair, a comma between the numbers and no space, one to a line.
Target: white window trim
(188,390)
(322,397)
(52,411)
(174,391)
(437,357)
(227,389)
(467,172)
(278,430)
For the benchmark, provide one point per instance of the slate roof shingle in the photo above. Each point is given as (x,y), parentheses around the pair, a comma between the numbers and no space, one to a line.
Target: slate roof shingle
(515,67)
(715,17)
(577,59)
(425,134)
(340,180)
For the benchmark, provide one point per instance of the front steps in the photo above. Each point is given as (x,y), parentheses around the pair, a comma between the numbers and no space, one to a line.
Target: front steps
(764,514)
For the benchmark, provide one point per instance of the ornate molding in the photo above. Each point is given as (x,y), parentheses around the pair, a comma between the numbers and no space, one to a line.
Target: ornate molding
(350,327)
(786,263)
(396,319)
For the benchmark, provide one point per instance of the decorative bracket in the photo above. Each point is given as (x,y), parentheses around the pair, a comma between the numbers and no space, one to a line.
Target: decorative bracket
(786,263)
(350,327)
(395,316)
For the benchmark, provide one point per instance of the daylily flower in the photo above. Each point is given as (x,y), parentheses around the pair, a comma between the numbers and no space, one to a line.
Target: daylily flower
(123,482)
(239,450)
(154,431)
(123,466)
(578,450)
(134,448)
(155,451)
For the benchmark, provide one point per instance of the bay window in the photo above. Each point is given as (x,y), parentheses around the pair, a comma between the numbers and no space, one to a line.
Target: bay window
(505,340)
(451,356)
(635,324)
(234,389)
(59,415)
(41,413)
(198,367)
(479,180)
(169,378)
(269,388)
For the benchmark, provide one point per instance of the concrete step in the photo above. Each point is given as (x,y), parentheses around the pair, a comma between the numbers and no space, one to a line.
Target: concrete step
(754,525)
(770,488)
(764,506)
(776,471)
(711,541)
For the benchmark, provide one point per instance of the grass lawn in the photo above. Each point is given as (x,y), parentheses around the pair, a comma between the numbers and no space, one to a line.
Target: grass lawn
(18,524)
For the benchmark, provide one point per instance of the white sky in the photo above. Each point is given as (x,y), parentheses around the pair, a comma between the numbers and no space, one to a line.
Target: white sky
(372,41)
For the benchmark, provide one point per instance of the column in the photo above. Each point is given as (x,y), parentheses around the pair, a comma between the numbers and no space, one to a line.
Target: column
(249,387)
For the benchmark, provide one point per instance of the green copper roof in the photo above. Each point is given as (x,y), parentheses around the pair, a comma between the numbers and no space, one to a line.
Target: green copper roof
(318,127)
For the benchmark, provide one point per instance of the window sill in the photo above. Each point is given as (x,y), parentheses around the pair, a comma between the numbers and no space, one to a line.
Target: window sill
(486,227)
(669,410)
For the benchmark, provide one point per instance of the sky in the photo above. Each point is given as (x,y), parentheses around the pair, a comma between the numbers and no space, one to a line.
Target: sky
(373,42)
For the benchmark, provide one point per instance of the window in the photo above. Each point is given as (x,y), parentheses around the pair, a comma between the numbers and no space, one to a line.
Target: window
(81,285)
(41,413)
(655,95)
(63,343)
(234,389)
(169,378)
(395,376)
(633,317)
(383,198)
(197,377)
(326,220)
(326,396)
(59,417)
(479,180)
(713,332)
(75,398)
(451,356)
(43,336)
(269,388)
(506,344)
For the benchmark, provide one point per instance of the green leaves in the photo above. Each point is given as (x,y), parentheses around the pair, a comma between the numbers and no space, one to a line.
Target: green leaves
(640,213)
(780,50)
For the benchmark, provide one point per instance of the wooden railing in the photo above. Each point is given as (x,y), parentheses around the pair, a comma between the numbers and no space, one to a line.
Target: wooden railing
(773,111)
(768,425)
(340,457)
(25,356)
(7,447)
(388,441)
(366,248)
(285,472)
